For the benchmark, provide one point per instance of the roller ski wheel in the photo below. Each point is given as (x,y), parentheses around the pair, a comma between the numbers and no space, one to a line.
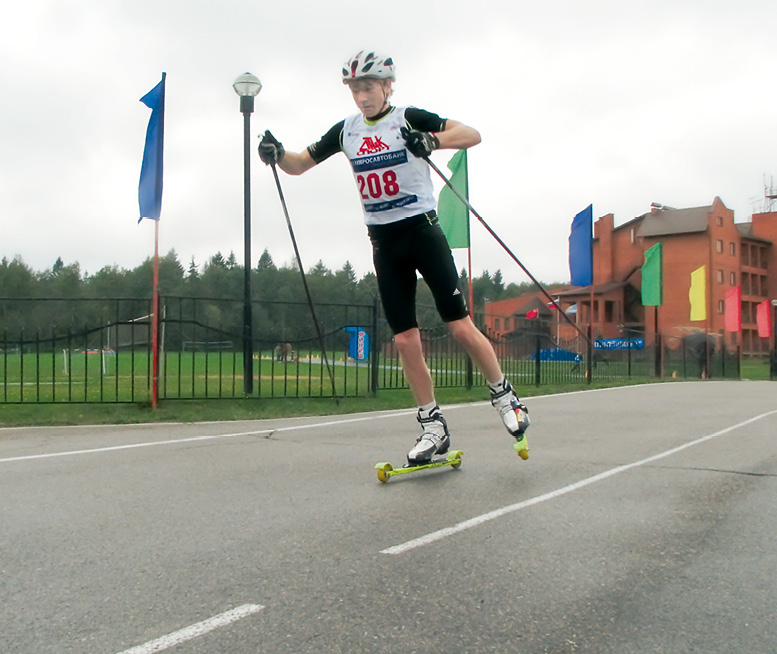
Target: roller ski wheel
(386,470)
(521,447)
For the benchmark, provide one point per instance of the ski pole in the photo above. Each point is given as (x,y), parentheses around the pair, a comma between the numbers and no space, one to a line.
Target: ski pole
(305,282)
(506,249)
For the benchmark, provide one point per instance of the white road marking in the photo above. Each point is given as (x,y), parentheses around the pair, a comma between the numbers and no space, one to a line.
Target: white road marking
(378,415)
(192,439)
(498,513)
(182,635)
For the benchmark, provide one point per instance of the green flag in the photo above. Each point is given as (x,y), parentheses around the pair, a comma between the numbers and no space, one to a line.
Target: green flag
(652,278)
(454,216)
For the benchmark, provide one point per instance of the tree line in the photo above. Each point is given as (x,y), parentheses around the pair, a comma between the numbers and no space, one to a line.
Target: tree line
(219,276)
(219,279)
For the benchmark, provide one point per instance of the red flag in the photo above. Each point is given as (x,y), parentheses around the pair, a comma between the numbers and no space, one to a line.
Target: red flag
(734,309)
(534,313)
(763,318)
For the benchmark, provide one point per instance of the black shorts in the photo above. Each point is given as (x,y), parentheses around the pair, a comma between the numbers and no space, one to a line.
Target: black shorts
(400,249)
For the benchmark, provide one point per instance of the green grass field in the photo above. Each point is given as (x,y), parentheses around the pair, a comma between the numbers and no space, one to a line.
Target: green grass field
(48,389)
(251,409)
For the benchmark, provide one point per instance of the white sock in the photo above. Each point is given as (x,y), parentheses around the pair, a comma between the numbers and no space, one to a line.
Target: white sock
(426,410)
(498,386)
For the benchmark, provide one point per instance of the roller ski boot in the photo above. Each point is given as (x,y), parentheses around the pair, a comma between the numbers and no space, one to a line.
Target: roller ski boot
(514,414)
(435,439)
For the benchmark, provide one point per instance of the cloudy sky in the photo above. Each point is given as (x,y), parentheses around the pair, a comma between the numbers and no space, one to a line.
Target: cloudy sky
(618,103)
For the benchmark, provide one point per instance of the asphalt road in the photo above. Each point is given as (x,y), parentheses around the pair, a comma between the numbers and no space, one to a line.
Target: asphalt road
(644,521)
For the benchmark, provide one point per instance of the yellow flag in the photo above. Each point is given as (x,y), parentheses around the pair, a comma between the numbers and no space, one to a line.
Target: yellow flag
(698,294)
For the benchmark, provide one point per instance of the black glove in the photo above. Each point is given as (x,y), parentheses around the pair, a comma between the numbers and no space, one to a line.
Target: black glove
(270,149)
(420,144)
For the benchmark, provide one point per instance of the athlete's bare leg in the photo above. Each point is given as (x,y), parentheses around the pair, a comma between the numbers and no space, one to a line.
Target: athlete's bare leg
(478,347)
(414,366)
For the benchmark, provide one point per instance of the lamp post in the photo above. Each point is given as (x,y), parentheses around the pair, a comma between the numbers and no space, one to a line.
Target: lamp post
(247,86)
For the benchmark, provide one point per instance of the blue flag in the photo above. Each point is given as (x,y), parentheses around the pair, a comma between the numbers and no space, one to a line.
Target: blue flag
(581,248)
(150,187)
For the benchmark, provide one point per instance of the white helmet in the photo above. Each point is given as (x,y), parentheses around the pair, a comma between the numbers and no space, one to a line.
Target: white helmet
(369,64)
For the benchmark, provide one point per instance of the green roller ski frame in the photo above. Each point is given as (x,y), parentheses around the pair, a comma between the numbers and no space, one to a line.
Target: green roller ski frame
(521,447)
(386,470)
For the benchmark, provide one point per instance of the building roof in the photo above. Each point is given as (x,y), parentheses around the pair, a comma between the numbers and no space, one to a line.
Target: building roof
(746,230)
(585,291)
(675,221)
(517,305)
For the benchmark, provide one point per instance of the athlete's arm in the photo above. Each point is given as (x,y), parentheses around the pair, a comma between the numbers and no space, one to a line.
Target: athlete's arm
(314,154)
(450,133)
(296,163)
(457,136)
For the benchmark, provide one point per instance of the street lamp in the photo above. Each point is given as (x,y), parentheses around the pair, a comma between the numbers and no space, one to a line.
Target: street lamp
(247,86)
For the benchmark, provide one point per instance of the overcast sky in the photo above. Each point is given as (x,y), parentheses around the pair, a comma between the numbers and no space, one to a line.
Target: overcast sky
(617,103)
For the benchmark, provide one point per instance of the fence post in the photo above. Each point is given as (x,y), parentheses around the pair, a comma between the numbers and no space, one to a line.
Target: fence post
(376,347)
(537,361)
(628,356)
(589,371)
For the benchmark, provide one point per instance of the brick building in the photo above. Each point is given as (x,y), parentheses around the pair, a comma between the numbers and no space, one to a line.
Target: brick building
(734,254)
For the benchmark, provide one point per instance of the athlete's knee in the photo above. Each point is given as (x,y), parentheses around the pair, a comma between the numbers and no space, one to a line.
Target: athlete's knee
(408,337)
(464,330)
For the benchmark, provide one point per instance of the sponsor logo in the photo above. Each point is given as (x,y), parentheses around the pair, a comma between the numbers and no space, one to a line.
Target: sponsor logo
(372,145)
(384,160)
(375,207)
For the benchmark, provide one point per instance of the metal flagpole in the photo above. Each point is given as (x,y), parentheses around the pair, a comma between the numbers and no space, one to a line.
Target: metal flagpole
(155,323)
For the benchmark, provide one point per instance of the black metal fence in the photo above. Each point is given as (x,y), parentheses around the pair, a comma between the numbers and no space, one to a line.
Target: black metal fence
(100,350)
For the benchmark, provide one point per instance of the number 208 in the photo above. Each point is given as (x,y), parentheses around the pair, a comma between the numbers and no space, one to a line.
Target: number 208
(378,185)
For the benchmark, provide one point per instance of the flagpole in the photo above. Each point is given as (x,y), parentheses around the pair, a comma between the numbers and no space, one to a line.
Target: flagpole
(150,205)
(469,239)
(590,371)
(469,278)
(155,292)
(155,322)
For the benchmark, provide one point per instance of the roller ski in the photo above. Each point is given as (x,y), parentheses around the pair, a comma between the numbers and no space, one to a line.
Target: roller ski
(514,414)
(386,470)
(434,440)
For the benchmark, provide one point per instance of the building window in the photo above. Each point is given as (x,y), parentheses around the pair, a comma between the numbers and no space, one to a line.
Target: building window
(732,279)
(633,236)
(732,249)
(721,306)
(719,246)
(498,324)
(720,221)
(719,276)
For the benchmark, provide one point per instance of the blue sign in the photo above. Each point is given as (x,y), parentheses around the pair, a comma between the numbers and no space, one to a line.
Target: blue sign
(619,344)
(359,343)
